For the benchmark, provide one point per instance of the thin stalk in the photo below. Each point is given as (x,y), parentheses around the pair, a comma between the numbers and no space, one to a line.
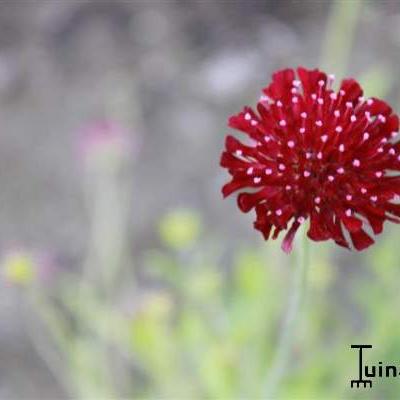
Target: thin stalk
(291,321)
(50,353)
(339,35)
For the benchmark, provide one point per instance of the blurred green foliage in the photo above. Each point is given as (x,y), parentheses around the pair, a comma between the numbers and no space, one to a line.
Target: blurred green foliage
(180,228)
(203,331)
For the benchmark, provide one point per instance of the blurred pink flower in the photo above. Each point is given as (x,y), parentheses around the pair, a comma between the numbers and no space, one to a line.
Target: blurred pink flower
(104,140)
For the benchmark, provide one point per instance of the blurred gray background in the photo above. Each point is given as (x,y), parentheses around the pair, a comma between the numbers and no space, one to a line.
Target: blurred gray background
(169,71)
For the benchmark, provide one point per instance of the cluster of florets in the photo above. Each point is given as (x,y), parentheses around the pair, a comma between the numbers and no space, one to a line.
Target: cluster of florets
(315,153)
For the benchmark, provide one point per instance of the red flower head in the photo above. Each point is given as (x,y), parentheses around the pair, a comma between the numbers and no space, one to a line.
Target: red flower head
(316,153)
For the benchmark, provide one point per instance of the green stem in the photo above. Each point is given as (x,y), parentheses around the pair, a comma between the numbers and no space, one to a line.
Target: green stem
(296,300)
(341,27)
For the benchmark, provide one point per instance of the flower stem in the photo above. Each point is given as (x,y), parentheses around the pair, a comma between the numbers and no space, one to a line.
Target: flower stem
(296,300)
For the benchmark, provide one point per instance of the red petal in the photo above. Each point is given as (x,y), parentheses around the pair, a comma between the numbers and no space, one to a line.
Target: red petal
(317,231)
(338,235)
(277,231)
(239,122)
(392,124)
(376,223)
(376,217)
(229,161)
(379,107)
(287,244)
(352,88)
(310,78)
(334,226)
(246,201)
(264,228)
(232,186)
(352,224)
(393,209)
(282,82)
(361,240)
(232,144)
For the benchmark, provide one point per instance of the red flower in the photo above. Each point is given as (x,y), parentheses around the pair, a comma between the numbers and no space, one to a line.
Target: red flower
(316,153)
